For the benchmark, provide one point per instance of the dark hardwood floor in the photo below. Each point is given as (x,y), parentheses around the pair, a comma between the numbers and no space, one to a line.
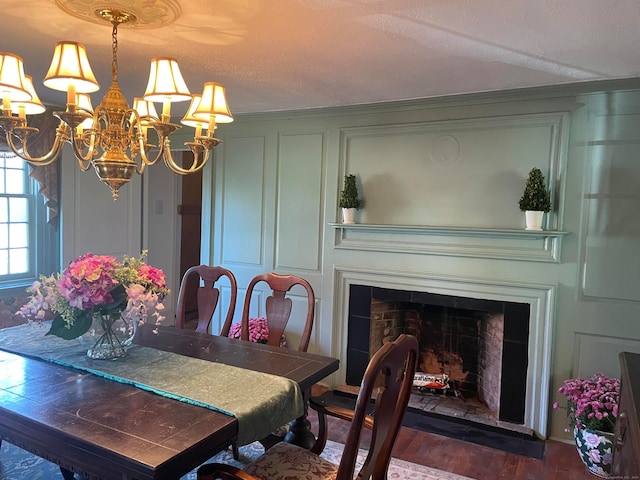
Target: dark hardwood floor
(560,461)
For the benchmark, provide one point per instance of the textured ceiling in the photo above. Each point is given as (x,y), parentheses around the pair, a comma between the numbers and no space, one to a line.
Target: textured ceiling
(295,54)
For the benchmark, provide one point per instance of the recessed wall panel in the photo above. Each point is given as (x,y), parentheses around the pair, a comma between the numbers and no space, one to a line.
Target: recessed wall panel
(611,203)
(242,210)
(599,353)
(104,226)
(300,164)
(460,173)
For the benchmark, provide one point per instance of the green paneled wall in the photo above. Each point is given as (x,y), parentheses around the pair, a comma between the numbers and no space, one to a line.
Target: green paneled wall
(458,162)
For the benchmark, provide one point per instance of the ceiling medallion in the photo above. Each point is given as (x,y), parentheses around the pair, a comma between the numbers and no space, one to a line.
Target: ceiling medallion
(143,13)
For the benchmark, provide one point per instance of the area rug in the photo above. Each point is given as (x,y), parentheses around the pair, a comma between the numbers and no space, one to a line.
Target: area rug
(17,464)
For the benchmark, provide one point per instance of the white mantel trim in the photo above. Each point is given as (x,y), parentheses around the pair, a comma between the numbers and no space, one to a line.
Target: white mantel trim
(540,297)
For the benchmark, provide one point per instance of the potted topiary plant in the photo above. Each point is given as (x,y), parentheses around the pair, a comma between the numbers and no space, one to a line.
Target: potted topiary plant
(349,201)
(535,200)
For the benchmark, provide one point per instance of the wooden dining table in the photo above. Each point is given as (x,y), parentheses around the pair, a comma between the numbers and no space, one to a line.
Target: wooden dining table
(104,429)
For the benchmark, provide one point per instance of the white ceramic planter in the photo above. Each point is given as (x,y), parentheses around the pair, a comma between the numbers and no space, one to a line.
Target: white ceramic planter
(348,215)
(533,219)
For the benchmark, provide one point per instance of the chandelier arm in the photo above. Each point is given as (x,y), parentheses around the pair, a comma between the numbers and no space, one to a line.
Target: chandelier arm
(145,160)
(83,165)
(140,146)
(84,162)
(200,157)
(142,151)
(142,164)
(77,142)
(62,135)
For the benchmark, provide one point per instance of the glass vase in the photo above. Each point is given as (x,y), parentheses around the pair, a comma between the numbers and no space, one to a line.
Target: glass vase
(108,346)
(595,449)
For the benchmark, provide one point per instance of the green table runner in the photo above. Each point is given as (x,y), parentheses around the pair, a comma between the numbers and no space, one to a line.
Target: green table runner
(261,402)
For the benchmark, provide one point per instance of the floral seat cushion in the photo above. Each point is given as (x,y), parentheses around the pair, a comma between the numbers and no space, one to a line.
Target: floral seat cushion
(286,461)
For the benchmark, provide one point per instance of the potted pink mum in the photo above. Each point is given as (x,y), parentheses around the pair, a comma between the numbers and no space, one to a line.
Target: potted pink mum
(258,331)
(592,408)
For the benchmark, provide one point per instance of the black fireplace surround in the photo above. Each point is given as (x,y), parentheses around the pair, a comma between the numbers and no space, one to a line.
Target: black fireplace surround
(515,342)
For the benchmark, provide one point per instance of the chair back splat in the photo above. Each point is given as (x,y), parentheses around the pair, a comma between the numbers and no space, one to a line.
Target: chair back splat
(278,307)
(207,296)
(388,380)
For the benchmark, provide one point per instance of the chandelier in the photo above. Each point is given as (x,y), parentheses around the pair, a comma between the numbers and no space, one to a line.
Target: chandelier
(117,140)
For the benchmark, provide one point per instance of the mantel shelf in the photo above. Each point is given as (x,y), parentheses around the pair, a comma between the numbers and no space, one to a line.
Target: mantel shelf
(456,231)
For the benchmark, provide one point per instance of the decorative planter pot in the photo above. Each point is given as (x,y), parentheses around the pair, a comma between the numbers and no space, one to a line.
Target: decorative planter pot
(349,215)
(533,219)
(595,449)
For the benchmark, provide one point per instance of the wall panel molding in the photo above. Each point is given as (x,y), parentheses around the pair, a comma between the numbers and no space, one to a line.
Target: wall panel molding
(300,188)
(243,208)
(457,173)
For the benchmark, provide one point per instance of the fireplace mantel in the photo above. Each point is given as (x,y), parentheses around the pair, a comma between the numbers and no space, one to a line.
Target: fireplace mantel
(457,231)
(497,243)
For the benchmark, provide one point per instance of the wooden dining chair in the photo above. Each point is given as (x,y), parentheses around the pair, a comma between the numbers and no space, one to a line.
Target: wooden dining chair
(206,295)
(277,312)
(387,381)
(278,307)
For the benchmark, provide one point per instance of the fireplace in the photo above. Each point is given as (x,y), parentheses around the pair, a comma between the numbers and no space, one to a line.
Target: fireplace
(534,301)
(481,345)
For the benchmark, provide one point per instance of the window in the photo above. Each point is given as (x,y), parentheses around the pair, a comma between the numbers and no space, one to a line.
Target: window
(27,243)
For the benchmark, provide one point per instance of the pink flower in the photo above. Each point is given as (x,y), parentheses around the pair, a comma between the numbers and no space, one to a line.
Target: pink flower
(140,303)
(135,291)
(592,402)
(152,275)
(258,331)
(43,297)
(88,280)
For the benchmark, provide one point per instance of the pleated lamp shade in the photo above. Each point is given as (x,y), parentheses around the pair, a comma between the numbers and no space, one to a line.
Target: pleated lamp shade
(13,84)
(70,68)
(213,102)
(166,82)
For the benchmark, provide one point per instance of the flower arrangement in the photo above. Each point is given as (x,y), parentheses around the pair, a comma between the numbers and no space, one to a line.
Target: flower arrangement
(95,285)
(258,331)
(592,402)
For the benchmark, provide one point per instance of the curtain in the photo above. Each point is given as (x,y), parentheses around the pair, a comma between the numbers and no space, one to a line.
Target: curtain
(46,176)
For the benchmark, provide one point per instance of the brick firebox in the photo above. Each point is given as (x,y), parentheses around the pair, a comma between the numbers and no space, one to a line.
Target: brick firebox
(480,344)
